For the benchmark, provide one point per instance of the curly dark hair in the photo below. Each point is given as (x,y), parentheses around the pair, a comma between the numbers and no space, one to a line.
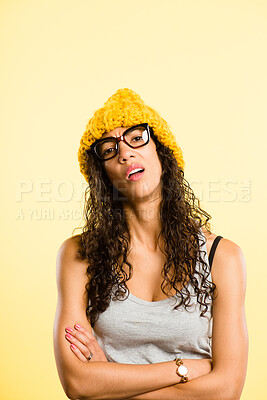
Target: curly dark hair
(104,238)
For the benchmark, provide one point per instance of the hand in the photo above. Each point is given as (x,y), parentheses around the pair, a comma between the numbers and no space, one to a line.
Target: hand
(84,343)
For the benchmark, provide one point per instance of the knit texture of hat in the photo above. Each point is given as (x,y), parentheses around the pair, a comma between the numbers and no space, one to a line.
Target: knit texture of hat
(124,109)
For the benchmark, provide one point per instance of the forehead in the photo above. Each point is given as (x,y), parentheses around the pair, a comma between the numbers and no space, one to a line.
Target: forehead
(115,132)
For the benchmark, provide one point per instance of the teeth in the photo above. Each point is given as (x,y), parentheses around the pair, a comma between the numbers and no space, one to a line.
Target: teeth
(135,170)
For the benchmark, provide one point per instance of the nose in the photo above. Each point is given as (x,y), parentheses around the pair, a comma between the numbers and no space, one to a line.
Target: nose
(124,152)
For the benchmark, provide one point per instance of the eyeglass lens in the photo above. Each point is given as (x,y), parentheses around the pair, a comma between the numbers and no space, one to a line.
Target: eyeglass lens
(134,138)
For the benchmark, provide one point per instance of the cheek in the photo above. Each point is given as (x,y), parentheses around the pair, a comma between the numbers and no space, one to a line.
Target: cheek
(113,177)
(108,170)
(156,167)
(158,171)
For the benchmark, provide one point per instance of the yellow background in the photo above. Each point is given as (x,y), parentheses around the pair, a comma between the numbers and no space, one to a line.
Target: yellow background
(202,65)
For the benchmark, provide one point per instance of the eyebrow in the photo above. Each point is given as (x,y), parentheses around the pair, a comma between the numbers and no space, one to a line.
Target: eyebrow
(106,133)
(108,137)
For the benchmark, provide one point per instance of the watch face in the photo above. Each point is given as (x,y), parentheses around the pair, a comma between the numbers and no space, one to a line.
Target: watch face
(182,370)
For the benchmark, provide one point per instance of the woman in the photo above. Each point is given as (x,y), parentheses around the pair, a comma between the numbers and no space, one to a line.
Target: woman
(141,314)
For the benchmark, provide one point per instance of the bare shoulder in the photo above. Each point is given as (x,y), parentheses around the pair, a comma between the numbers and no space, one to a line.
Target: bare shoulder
(228,263)
(71,277)
(229,267)
(228,253)
(70,245)
(67,262)
(69,248)
(226,249)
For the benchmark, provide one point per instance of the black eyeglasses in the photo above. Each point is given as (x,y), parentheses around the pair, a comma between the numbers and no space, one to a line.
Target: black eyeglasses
(134,137)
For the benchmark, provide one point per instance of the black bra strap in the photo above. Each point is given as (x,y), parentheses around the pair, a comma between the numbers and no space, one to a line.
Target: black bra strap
(213,248)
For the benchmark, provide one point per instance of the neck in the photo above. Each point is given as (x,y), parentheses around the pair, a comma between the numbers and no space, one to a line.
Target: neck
(144,224)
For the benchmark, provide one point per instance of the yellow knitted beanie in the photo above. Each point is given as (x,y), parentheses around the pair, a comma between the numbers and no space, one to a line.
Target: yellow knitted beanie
(125,108)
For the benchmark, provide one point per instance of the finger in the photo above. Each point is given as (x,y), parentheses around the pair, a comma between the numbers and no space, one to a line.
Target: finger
(78,353)
(84,350)
(89,342)
(88,339)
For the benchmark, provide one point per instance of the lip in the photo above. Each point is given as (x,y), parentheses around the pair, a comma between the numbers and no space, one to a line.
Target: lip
(131,168)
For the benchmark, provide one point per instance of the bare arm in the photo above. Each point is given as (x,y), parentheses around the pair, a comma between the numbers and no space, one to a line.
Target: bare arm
(96,380)
(229,338)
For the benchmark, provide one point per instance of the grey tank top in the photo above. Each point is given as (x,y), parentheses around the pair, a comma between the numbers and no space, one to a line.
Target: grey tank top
(136,331)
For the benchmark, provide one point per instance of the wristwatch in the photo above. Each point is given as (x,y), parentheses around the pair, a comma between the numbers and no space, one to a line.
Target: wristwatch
(181,370)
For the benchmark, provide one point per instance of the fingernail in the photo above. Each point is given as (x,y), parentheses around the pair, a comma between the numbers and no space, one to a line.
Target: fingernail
(69,336)
(73,346)
(68,330)
(78,326)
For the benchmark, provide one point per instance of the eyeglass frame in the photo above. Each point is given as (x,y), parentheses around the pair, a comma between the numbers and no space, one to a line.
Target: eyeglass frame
(119,139)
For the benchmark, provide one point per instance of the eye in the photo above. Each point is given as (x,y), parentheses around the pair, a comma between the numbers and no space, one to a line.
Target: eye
(107,151)
(138,137)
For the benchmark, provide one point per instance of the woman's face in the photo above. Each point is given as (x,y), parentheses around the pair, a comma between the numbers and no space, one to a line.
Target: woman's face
(136,187)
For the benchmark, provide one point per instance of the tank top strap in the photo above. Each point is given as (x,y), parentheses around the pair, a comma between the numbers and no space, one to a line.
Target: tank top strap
(213,248)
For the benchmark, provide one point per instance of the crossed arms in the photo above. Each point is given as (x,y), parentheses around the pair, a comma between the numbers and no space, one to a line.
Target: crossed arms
(106,380)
